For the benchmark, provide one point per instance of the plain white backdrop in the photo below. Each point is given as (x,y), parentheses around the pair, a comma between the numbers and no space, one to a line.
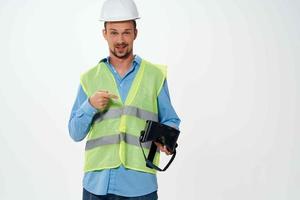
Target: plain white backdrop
(233,77)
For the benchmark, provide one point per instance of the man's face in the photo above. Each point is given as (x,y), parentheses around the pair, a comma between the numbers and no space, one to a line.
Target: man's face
(120,37)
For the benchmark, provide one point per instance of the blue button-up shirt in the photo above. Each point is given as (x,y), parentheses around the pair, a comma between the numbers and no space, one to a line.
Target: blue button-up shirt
(119,181)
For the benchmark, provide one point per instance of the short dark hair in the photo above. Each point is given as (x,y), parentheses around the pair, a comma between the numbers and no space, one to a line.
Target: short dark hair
(133,21)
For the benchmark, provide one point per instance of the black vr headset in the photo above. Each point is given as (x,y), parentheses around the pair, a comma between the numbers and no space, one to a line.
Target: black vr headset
(163,134)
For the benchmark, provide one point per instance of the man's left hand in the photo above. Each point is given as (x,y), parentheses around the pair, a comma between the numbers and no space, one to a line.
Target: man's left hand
(162,148)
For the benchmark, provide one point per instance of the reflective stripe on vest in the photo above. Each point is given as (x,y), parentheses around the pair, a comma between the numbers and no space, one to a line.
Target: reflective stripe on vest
(115,139)
(127,110)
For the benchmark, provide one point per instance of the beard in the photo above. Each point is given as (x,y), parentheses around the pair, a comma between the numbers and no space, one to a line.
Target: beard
(122,53)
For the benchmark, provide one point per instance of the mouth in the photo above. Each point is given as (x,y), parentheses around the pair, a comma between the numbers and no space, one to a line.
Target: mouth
(121,47)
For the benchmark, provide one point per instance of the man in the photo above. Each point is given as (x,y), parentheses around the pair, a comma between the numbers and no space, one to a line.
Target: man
(114,100)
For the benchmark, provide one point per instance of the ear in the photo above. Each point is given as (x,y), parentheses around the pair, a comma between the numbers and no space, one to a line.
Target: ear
(104,33)
(135,33)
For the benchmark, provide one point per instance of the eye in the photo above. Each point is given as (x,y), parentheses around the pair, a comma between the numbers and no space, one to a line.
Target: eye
(113,33)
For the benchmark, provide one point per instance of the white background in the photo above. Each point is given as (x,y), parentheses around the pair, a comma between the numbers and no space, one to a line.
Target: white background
(233,78)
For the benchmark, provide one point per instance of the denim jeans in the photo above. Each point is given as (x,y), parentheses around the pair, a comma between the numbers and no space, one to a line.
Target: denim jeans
(89,196)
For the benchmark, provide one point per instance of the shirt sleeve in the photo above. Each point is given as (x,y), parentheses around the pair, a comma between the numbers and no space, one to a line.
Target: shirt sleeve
(81,116)
(166,112)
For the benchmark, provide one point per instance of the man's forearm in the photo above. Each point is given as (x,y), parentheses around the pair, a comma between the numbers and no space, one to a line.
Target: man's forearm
(80,121)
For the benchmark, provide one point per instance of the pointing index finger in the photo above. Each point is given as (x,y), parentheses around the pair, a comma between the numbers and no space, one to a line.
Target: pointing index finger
(113,96)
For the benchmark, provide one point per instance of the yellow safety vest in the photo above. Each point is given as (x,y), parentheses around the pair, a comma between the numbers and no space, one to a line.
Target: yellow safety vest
(113,138)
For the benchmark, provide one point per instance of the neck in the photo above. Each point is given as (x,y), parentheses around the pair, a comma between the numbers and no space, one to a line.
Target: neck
(121,65)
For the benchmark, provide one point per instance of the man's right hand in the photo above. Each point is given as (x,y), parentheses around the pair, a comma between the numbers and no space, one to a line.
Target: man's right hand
(100,99)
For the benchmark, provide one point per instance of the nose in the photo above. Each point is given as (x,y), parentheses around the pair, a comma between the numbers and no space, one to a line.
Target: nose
(120,39)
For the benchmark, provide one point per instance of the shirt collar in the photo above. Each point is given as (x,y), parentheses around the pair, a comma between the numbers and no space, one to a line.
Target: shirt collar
(136,61)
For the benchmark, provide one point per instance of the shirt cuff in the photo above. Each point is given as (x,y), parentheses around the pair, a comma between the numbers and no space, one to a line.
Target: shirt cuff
(88,109)
(172,125)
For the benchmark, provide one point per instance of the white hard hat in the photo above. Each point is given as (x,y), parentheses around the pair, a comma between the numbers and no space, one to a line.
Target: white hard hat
(119,10)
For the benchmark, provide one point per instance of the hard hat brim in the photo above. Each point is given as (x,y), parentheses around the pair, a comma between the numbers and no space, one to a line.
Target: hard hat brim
(118,19)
